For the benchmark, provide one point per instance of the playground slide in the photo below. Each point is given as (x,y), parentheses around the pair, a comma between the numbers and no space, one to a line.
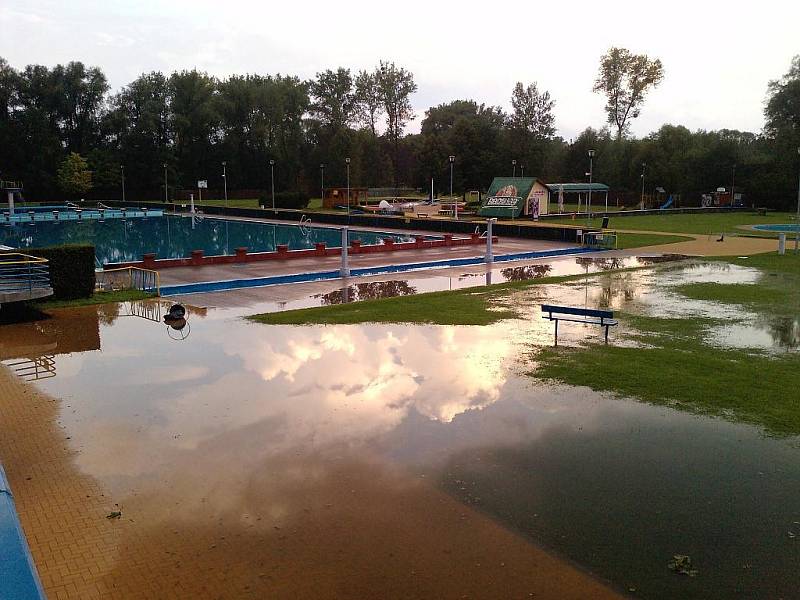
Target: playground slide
(668,203)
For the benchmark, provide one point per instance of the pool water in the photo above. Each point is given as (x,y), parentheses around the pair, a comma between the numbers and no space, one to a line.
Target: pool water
(176,237)
(780,228)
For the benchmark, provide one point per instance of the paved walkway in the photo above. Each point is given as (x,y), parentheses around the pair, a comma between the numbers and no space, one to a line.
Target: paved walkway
(176,275)
(708,245)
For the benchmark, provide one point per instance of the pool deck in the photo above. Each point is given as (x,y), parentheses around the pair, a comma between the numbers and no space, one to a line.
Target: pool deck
(180,275)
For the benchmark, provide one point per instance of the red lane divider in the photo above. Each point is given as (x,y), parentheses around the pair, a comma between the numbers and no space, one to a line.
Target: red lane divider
(282,252)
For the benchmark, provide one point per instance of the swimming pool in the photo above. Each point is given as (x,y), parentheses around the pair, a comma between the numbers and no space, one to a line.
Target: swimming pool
(780,228)
(176,236)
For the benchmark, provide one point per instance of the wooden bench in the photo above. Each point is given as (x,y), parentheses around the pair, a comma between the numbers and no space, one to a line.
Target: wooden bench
(592,316)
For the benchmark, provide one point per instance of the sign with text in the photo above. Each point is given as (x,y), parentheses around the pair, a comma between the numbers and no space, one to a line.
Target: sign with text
(202,184)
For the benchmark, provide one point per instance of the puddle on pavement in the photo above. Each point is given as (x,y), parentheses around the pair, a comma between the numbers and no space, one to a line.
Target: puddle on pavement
(278,430)
(356,289)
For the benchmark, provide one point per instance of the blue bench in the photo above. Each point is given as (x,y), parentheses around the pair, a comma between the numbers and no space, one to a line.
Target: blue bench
(592,316)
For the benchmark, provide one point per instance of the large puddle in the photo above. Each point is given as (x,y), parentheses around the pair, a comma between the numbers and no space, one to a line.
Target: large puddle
(241,425)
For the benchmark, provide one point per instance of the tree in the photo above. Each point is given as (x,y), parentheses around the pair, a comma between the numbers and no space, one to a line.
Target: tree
(625,79)
(333,99)
(396,86)
(533,111)
(783,106)
(369,105)
(74,176)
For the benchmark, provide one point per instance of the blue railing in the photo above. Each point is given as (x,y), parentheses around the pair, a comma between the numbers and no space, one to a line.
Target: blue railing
(21,272)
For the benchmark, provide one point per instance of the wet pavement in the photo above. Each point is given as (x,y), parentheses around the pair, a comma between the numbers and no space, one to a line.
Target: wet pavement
(413,461)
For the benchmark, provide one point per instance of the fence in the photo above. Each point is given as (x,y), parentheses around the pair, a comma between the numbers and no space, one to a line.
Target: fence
(23,273)
(128,278)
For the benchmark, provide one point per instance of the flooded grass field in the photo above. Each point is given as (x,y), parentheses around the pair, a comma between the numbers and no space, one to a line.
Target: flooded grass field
(408,461)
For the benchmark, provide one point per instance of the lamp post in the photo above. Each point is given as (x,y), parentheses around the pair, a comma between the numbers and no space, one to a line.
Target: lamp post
(122,168)
(452,159)
(225,181)
(641,200)
(514,167)
(166,196)
(322,180)
(590,153)
(733,184)
(522,170)
(347,162)
(272,181)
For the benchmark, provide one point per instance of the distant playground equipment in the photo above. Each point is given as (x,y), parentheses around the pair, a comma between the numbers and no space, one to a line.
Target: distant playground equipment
(723,197)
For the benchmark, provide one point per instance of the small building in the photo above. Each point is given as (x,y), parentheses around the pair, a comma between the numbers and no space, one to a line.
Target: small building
(512,197)
(337,196)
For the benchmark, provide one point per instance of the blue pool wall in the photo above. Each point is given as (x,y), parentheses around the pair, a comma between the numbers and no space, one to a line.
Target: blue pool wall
(18,577)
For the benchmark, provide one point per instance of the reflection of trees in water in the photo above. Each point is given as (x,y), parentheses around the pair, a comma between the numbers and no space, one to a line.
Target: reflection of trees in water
(609,263)
(664,258)
(785,331)
(526,272)
(367,291)
(614,286)
(108,313)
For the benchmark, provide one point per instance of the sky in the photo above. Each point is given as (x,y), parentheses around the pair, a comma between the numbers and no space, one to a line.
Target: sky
(718,56)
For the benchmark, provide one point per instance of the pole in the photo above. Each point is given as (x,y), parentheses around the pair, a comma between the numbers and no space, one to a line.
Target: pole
(166,196)
(347,160)
(225,181)
(452,160)
(345,270)
(489,255)
(514,166)
(122,168)
(322,185)
(589,204)
(641,200)
(272,181)
(522,169)
(733,184)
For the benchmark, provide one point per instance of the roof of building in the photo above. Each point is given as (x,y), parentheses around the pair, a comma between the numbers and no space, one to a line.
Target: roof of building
(574,188)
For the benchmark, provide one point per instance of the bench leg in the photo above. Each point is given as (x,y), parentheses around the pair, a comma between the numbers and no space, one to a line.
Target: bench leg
(556,342)
(606,334)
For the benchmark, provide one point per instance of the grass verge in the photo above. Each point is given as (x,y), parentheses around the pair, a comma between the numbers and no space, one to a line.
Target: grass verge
(96,298)
(700,223)
(480,305)
(677,369)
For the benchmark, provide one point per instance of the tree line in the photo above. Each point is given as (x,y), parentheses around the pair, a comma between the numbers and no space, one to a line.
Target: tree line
(192,122)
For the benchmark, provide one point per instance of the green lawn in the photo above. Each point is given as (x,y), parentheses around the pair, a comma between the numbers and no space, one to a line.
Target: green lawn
(699,223)
(243,203)
(96,298)
(461,307)
(677,367)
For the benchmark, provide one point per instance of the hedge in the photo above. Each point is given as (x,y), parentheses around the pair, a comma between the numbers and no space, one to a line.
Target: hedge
(285,200)
(71,269)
